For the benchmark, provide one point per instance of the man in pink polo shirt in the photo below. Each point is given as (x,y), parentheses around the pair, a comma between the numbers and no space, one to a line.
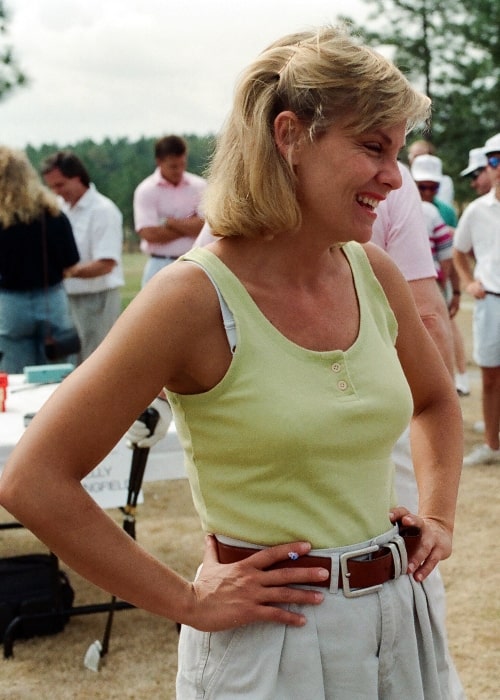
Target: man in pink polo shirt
(167,213)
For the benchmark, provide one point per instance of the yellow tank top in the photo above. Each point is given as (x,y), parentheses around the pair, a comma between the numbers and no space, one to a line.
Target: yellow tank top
(294,444)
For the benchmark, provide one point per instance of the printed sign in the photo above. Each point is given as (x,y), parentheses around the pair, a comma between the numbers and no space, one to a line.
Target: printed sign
(108,482)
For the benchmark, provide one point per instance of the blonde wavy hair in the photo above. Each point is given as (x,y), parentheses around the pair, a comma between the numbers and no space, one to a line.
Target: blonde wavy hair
(322,76)
(23,197)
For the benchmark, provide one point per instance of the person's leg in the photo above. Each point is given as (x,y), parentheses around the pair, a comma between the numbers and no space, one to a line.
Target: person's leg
(18,332)
(77,307)
(94,314)
(486,354)
(52,312)
(491,405)
(111,309)
(461,376)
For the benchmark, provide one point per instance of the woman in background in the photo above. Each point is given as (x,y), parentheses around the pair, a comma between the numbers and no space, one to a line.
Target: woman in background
(37,248)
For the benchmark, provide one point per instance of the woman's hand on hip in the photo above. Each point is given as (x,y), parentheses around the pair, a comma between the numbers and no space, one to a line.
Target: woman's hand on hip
(435,542)
(232,595)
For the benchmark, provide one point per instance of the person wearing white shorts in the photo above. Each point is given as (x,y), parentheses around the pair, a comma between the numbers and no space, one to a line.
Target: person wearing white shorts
(477,235)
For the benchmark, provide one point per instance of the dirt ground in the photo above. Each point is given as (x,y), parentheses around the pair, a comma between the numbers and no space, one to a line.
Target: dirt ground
(142,657)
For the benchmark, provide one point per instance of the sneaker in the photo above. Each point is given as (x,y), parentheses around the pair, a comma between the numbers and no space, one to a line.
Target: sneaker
(482,454)
(462,384)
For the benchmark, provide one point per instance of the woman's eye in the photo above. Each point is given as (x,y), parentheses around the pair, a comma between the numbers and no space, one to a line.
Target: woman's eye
(375,147)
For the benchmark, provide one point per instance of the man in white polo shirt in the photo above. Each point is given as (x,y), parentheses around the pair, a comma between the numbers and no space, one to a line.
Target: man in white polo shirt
(478,236)
(167,206)
(94,287)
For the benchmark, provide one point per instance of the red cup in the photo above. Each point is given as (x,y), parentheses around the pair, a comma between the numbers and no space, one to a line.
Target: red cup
(4,383)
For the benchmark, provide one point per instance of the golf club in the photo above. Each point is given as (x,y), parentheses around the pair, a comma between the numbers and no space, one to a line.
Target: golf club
(98,650)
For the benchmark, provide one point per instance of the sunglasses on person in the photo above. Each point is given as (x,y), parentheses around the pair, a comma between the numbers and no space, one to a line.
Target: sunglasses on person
(493,161)
(427,188)
(474,175)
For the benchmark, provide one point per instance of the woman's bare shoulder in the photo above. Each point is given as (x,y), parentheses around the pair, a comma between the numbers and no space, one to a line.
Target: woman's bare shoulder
(382,263)
(179,286)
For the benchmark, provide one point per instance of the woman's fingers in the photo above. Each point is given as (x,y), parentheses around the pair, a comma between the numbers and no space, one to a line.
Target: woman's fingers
(246,591)
(423,569)
(434,542)
(270,559)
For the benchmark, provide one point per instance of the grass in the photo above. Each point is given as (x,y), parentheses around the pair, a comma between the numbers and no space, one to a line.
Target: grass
(133,266)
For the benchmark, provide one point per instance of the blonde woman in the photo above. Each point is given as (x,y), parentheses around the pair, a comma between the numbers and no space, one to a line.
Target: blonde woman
(37,249)
(292,355)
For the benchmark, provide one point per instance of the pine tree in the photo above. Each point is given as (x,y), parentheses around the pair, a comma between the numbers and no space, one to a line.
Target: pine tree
(450,49)
(10,74)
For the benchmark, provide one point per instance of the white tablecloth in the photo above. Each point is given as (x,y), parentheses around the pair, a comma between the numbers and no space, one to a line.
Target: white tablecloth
(108,482)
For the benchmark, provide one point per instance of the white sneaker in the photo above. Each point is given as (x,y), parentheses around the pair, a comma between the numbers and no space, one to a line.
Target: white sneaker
(462,384)
(482,454)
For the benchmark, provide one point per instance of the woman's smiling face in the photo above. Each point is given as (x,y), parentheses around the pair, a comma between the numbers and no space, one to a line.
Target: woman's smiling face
(342,177)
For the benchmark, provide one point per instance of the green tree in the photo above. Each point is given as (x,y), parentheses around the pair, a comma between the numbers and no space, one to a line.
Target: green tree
(479,25)
(418,32)
(10,74)
(451,50)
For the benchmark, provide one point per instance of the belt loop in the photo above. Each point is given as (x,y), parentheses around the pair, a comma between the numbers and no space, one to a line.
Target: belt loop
(334,575)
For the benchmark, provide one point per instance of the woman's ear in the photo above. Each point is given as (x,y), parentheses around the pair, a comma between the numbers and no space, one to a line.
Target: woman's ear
(287,133)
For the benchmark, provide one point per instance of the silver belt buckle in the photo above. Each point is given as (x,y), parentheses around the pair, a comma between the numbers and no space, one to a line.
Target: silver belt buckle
(344,560)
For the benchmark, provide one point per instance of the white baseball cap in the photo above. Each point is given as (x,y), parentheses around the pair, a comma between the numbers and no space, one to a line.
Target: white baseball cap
(492,145)
(477,160)
(427,168)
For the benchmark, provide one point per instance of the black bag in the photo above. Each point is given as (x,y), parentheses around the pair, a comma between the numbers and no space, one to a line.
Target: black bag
(31,584)
(61,343)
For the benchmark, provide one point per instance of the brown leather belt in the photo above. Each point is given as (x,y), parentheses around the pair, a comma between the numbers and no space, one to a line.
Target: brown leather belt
(385,562)
(164,257)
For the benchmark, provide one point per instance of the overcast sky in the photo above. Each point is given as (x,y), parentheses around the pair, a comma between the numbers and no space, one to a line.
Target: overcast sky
(132,68)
